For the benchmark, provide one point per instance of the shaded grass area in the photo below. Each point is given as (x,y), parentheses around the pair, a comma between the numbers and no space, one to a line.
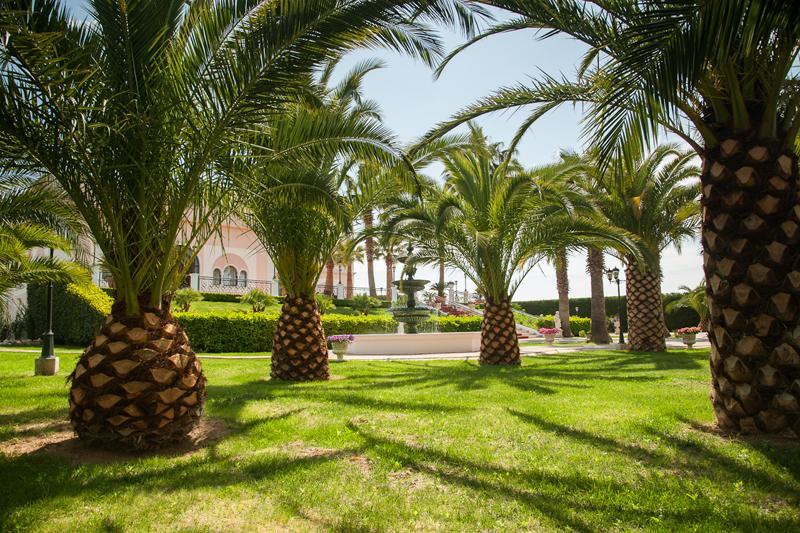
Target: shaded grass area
(595,441)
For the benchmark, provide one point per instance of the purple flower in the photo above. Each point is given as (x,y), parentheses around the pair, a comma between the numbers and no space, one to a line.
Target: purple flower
(342,338)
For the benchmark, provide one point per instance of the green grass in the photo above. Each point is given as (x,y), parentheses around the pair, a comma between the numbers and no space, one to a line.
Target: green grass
(591,442)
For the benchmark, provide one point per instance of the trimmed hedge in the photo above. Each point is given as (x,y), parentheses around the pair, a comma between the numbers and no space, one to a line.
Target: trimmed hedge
(253,332)
(452,323)
(78,312)
(678,318)
(218,297)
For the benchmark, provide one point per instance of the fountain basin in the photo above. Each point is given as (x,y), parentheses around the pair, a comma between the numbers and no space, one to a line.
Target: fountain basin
(418,344)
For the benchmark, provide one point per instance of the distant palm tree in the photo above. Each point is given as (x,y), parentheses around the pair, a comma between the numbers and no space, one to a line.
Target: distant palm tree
(139,113)
(495,225)
(302,210)
(694,299)
(655,199)
(721,75)
(346,253)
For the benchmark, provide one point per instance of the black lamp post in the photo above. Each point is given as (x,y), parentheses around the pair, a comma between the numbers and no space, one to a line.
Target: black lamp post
(613,276)
(48,345)
(47,364)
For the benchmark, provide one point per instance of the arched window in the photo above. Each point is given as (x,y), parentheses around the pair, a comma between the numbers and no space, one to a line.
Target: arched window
(229,276)
(217,276)
(243,278)
(195,266)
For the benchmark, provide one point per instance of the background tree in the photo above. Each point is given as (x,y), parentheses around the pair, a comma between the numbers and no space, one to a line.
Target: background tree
(720,75)
(136,113)
(694,299)
(495,226)
(347,253)
(655,199)
(595,267)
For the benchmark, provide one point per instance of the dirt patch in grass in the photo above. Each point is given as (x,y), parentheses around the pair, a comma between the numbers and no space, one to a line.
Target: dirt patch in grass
(301,450)
(56,439)
(408,479)
(362,464)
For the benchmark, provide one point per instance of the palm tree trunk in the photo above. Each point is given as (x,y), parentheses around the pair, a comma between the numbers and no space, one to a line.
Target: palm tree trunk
(645,309)
(329,266)
(499,343)
(138,385)
(596,267)
(349,289)
(440,288)
(751,244)
(389,275)
(369,251)
(562,285)
(300,350)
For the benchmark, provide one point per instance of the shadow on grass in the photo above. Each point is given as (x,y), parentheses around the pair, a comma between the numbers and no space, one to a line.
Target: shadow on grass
(687,455)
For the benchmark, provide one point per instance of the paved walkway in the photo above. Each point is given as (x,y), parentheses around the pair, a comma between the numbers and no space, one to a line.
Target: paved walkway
(525,349)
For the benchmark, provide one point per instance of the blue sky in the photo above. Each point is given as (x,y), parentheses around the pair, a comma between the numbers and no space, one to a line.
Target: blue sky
(413,102)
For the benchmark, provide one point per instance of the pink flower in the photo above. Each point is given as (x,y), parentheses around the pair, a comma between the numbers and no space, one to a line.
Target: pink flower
(549,331)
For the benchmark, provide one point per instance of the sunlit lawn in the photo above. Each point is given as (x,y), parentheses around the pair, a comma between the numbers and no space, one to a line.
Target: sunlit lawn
(232,307)
(598,441)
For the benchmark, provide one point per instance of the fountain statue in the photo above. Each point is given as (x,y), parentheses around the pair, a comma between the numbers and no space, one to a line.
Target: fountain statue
(410,315)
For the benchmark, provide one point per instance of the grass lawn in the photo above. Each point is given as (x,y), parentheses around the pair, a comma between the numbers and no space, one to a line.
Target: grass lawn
(597,441)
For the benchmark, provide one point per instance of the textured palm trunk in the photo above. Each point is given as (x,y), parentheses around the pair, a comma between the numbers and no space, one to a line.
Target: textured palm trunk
(329,266)
(499,343)
(389,275)
(562,285)
(440,288)
(645,310)
(349,290)
(596,267)
(300,350)
(369,252)
(751,244)
(705,322)
(138,385)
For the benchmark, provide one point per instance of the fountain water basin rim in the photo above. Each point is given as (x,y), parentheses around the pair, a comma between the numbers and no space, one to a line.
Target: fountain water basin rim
(418,344)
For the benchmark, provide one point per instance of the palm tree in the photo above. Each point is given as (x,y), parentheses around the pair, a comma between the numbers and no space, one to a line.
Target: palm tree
(34,214)
(496,225)
(301,210)
(346,253)
(694,299)
(718,74)
(561,263)
(655,199)
(138,113)
(595,267)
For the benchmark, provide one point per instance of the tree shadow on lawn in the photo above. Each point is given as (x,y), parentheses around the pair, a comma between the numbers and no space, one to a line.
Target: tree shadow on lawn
(569,500)
(690,456)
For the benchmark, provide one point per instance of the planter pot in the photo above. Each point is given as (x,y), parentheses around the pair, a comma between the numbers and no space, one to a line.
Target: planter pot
(550,339)
(689,339)
(339,348)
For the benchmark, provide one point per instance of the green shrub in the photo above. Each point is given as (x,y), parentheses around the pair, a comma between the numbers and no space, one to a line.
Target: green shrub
(216,297)
(324,303)
(580,323)
(364,303)
(258,300)
(183,298)
(253,332)
(454,323)
(78,312)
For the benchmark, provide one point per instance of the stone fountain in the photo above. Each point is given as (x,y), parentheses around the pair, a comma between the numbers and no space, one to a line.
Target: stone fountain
(410,315)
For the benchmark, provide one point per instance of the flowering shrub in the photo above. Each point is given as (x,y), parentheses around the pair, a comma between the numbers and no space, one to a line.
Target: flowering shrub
(341,338)
(549,331)
(688,331)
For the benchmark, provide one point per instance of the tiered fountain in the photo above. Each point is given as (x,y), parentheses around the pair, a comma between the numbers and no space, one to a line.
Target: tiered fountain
(410,315)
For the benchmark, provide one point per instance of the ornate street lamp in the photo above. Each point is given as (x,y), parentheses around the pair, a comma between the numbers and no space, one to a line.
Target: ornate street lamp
(613,276)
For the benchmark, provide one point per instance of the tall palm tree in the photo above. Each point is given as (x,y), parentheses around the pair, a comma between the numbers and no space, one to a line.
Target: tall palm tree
(495,226)
(654,199)
(347,253)
(560,261)
(137,113)
(595,267)
(301,210)
(718,74)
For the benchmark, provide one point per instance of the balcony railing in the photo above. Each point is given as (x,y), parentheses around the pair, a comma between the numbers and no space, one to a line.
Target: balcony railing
(228,286)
